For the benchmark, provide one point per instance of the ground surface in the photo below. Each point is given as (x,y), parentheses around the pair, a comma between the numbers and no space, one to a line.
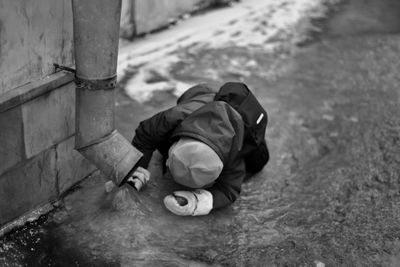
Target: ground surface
(330,195)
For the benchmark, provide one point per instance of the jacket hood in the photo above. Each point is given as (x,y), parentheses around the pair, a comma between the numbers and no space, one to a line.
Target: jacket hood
(218,125)
(196,93)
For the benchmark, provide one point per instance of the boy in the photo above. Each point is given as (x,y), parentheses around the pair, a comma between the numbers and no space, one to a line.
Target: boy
(210,142)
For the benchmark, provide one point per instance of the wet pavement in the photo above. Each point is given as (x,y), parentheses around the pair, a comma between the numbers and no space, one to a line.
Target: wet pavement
(330,195)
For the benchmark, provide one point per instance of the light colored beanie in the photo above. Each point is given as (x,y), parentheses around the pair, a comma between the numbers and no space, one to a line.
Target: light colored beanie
(194,164)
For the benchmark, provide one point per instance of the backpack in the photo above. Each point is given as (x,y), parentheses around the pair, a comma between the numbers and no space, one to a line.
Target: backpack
(255,118)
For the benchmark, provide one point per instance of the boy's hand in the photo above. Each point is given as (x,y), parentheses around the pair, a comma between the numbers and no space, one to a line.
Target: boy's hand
(184,203)
(139,178)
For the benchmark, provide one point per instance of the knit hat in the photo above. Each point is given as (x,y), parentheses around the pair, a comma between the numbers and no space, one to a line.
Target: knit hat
(194,164)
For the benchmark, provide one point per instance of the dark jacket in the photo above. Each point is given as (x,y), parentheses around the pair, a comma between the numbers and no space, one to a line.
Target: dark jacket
(198,116)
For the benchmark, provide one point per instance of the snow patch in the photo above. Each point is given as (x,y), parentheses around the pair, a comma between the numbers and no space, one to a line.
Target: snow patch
(270,25)
(152,77)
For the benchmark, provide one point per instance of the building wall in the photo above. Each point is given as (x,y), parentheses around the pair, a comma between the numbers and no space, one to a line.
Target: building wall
(33,36)
(38,162)
(127,29)
(150,15)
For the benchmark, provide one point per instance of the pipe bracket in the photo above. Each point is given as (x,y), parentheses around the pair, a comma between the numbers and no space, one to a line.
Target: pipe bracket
(94,85)
(65,68)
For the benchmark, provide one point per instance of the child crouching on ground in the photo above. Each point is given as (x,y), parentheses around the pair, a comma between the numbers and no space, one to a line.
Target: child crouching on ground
(211,141)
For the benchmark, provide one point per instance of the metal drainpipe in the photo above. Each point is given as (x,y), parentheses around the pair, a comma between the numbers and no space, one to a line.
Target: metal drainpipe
(96,36)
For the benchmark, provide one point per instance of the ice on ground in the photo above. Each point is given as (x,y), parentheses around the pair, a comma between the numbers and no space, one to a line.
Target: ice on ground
(154,76)
(270,25)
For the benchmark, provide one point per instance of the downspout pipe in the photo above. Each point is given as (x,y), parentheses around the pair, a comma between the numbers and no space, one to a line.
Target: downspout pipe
(96,36)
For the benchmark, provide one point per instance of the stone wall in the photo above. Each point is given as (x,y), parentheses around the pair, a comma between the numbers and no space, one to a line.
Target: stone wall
(38,162)
(33,36)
